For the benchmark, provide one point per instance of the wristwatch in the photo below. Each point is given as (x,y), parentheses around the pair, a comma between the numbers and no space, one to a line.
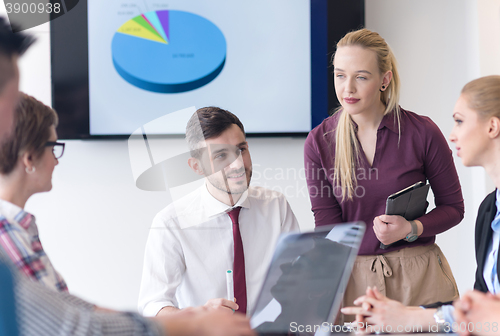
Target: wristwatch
(412,236)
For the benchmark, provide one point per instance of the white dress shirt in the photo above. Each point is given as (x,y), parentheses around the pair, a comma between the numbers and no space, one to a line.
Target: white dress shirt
(190,247)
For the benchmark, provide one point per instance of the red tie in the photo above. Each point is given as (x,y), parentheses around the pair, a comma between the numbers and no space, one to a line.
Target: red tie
(240,285)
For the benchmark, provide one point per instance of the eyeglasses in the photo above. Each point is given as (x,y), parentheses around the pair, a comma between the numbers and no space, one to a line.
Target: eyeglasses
(58,148)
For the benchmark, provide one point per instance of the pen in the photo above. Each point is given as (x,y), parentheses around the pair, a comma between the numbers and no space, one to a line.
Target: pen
(230,287)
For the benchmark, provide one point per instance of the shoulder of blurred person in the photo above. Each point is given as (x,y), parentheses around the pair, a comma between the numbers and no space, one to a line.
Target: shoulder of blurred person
(12,45)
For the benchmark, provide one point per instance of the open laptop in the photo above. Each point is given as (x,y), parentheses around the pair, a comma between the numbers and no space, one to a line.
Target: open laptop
(306,280)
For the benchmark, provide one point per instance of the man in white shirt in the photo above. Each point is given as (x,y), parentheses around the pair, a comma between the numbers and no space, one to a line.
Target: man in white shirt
(196,239)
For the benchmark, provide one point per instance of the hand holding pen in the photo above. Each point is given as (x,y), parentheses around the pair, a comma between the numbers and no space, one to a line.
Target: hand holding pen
(228,303)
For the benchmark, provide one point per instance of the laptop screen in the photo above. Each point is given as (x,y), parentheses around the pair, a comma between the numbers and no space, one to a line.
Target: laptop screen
(307,277)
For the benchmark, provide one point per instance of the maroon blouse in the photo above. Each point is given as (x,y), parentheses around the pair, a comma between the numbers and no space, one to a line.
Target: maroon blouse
(422,154)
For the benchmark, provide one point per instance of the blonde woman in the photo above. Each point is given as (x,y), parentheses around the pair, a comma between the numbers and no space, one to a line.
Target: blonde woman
(476,135)
(369,149)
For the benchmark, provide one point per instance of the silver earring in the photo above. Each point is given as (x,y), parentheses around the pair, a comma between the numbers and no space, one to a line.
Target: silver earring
(30,171)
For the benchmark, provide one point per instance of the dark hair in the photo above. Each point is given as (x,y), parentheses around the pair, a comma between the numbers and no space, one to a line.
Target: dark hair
(207,123)
(32,122)
(11,44)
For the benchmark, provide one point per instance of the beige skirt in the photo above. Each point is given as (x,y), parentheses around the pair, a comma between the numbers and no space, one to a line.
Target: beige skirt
(414,276)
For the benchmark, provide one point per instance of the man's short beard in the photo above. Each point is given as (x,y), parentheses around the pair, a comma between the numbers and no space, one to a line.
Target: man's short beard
(225,186)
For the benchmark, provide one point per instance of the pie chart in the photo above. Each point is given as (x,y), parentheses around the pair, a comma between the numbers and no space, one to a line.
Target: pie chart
(168,51)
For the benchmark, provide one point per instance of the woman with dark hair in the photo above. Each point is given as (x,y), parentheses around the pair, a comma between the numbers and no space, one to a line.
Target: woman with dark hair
(27,159)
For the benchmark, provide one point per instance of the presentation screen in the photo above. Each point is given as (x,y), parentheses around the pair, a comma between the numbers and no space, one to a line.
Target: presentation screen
(149,58)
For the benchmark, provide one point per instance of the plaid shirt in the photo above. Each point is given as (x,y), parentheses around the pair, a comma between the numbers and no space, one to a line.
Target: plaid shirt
(19,238)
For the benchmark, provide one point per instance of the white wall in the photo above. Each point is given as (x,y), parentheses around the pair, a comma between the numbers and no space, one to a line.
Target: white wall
(94,222)
(489,36)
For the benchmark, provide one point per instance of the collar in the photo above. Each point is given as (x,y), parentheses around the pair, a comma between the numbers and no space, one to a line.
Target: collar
(388,121)
(15,214)
(214,207)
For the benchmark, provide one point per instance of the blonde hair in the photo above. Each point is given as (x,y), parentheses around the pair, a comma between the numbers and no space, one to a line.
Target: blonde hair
(346,146)
(483,96)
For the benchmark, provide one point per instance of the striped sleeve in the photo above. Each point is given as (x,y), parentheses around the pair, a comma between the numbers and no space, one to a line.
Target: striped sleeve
(42,311)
